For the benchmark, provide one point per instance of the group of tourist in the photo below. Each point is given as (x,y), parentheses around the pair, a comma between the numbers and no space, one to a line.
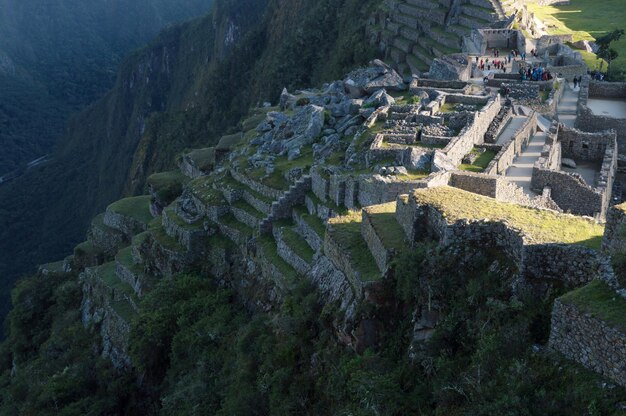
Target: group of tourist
(496,63)
(535,74)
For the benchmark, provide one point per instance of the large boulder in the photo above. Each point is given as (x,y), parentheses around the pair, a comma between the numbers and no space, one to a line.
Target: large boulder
(379,98)
(377,76)
(442,163)
(287,101)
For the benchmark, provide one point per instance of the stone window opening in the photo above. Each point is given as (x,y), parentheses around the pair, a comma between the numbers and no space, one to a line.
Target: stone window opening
(585,145)
(571,144)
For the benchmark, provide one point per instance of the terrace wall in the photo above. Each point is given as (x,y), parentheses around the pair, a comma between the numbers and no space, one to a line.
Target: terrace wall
(474,133)
(589,341)
(587,121)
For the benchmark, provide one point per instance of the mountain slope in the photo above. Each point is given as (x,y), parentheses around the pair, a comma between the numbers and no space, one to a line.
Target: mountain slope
(185,89)
(57,56)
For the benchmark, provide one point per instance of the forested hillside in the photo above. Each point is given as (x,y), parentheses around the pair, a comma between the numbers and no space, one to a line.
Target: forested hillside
(57,56)
(189,86)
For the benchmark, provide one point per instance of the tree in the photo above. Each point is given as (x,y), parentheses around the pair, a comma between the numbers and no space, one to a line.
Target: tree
(605,51)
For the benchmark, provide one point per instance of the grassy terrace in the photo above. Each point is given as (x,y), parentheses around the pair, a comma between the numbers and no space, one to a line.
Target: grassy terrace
(282,164)
(229,220)
(56,267)
(244,206)
(598,299)
(480,163)
(109,277)
(268,245)
(202,188)
(413,175)
(298,244)
(383,218)
(587,20)
(156,229)
(346,232)
(231,182)
(137,207)
(171,213)
(539,225)
(87,248)
(203,158)
(167,185)
(312,221)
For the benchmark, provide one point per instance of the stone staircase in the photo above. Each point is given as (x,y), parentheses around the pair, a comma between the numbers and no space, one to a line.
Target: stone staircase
(282,208)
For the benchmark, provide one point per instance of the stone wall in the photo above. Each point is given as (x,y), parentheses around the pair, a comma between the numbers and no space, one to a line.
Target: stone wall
(287,254)
(615,230)
(504,159)
(579,145)
(381,255)
(376,189)
(539,264)
(320,183)
(474,133)
(589,341)
(569,191)
(483,40)
(572,265)
(587,121)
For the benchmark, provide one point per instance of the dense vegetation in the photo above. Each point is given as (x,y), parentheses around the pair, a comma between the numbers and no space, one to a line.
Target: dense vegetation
(197,351)
(56,56)
(189,86)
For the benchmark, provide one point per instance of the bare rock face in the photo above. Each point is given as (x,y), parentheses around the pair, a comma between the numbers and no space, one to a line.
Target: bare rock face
(442,163)
(568,163)
(377,76)
(451,67)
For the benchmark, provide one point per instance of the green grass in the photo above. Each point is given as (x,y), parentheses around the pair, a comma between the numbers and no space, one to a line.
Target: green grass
(229,141)
(541,226)
(298,244)
(202,188)
(107,273)
(587,20)
(413,175)
(137,207)
(230,221)
(167,185)
(312,221)
(231,182)
(481,163)
(156,229)
(346,231)
(87,248)
(448,108)
(171,213)
(268,245)
(598,299)
(204,159)
(244,206)
(276,180)
(383,219)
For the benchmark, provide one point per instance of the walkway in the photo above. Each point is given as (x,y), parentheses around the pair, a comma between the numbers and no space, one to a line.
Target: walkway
(509,131)
(566,110)
(521,171)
